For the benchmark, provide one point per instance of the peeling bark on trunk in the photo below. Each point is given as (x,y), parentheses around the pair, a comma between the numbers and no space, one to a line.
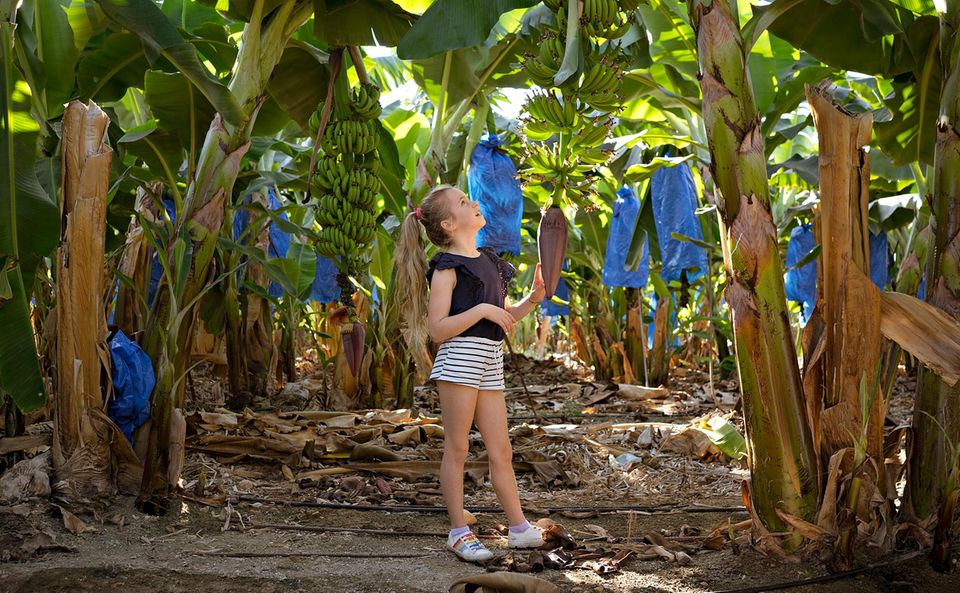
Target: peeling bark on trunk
(81,443)
(782,459)
(636,348)
(261,352)
(848,306)
(251,352)
(135,264)
(660,353)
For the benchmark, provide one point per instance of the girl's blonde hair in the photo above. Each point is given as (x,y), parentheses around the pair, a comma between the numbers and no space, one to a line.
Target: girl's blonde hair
(411,270)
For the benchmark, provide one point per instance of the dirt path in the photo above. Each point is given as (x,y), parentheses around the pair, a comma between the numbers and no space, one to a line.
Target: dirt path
(192,551)
(177,556)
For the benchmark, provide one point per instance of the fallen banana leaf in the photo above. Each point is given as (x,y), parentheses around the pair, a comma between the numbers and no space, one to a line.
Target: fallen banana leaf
(13,444)
(611,565)
(28,478)
(73,523)
(370,451)
(692,442)
(408,436)
(244,446)
(725,436)
(638,392)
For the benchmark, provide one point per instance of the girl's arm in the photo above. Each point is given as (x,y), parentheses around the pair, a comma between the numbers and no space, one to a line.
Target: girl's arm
(443,326)
(533,298)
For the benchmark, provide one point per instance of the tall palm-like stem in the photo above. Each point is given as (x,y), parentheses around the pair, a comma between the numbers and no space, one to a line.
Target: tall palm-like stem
(782,458)
(931,480)
(191,251)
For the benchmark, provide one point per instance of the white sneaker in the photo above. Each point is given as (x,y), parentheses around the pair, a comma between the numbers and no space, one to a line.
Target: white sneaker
(469,548)
(531,538)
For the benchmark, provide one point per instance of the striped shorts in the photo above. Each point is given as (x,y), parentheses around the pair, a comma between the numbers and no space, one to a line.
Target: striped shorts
(468,360)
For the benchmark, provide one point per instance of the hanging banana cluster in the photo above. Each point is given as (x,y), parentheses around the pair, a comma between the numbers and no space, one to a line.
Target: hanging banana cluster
(346,177)
(565,127)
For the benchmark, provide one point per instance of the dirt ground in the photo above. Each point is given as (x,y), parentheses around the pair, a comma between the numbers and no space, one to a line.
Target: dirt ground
(222,548)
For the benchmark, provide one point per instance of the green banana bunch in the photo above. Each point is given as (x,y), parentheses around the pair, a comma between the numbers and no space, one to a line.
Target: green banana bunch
(346,178)
(599,16)
(365,101)
(538,71)
(600,78)
(349,136)
(565,128)
(551,52)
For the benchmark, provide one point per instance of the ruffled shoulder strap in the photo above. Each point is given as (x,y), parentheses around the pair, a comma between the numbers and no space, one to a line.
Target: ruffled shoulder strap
(441,261)
(506,269)
(446,261)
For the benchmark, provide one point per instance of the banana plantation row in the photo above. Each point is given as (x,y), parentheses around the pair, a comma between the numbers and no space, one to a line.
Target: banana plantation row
(241,169)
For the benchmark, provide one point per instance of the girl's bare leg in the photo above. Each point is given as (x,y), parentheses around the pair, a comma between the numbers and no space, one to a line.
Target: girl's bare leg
(457,406)
(491,418)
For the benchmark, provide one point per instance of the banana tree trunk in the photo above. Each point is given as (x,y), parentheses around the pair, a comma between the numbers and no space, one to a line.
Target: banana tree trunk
(848,306)
(782,459)
(192,248)
(841,370)
(81,443)
(933,466)
(135,264)
(660,353)
(260,351)
(635,345)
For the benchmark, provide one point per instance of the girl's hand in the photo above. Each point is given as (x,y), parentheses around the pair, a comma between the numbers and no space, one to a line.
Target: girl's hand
(538,289)
(500,316)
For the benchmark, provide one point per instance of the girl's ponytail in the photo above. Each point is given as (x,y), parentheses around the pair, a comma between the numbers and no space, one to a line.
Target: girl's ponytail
(411,271)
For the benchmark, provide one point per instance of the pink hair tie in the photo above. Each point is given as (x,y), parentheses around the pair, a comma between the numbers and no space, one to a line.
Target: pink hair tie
(418,213)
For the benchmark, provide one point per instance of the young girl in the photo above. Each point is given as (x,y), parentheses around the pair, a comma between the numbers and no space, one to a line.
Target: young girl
(468,315)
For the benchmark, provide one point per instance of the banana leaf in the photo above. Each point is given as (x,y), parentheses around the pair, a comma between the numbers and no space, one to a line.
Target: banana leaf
(105,73)
(360,22)
(454,24)
(145,18)
(299,81)
(897,40)
(28,231)
(178,107)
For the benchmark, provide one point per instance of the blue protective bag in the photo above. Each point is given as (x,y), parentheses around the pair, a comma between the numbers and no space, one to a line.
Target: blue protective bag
(156,272)
(801,283)
(880,260)
(492,181)
(625,209)
(132,374)
(552,309)
(325,288)
(674,198)
(279,240)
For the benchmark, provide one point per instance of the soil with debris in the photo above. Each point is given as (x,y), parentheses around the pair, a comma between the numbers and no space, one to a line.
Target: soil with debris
(625,478)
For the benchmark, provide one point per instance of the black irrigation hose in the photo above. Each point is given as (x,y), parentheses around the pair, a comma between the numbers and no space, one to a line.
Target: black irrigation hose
(827,577)
(646,417)
(653,510)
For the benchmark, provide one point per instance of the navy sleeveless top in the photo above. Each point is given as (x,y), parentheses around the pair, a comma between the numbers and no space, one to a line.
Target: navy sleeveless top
(481,279)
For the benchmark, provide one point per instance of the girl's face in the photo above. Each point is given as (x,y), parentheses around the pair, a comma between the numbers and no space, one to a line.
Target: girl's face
(464,213)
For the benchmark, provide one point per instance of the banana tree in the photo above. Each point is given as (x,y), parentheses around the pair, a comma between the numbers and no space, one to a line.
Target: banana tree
(932,485)
(783,463)
(201,211)
(267,32)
